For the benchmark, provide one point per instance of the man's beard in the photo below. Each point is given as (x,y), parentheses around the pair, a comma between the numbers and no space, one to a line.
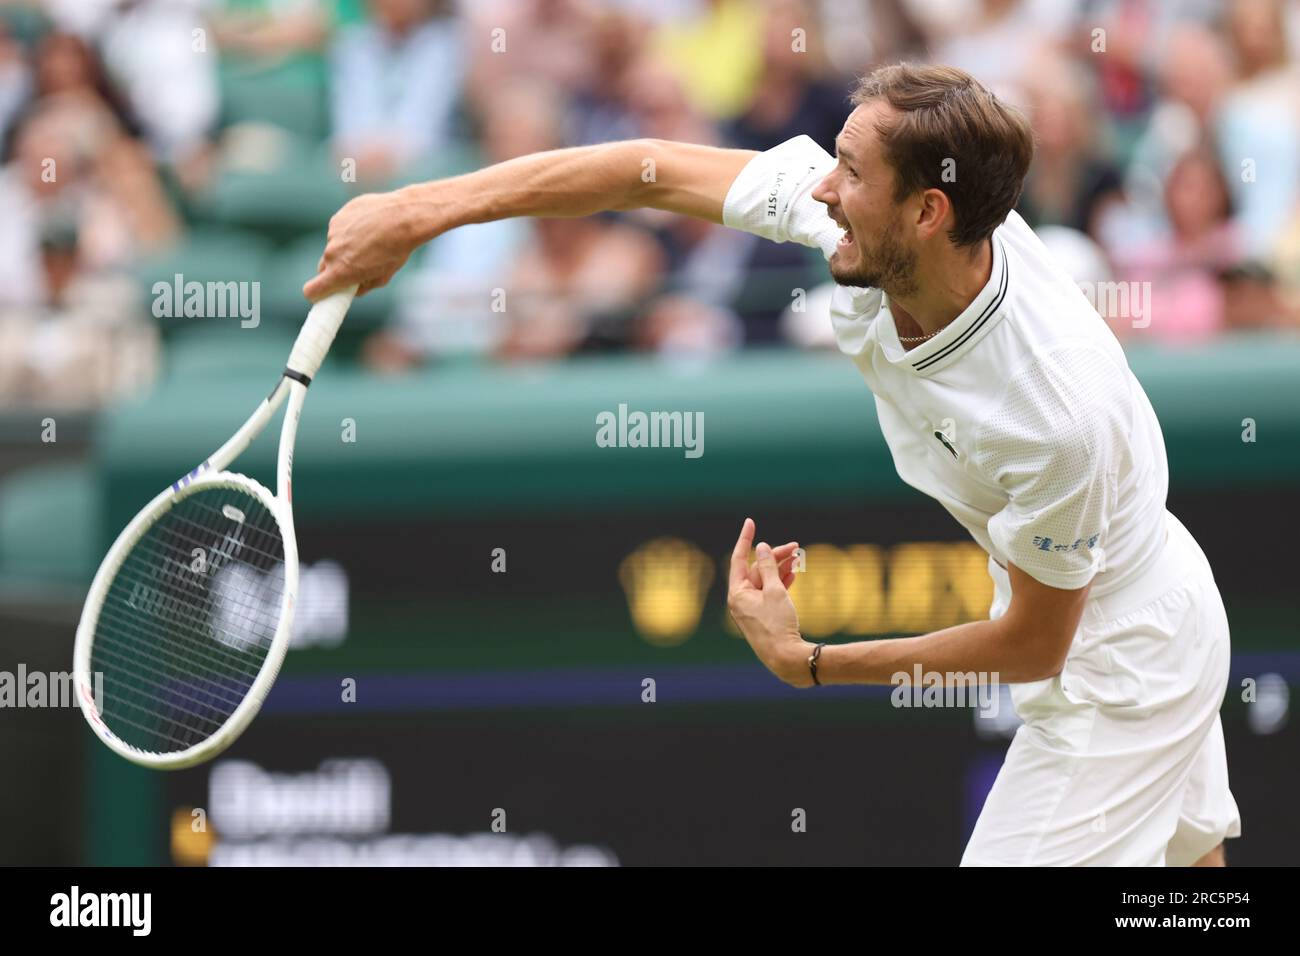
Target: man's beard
(890,266)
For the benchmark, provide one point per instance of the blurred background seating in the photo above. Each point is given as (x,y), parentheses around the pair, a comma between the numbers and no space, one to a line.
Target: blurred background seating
(213,140)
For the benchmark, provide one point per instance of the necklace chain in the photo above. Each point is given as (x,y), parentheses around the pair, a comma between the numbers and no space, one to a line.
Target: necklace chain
(921,338)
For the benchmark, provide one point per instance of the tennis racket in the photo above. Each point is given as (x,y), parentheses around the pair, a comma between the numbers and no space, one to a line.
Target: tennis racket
(189,616)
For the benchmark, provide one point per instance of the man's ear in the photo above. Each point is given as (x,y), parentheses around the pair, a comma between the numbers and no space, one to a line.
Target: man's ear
(933,213)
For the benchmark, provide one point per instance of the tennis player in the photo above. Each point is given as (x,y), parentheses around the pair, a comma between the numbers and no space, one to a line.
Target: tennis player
(1003,395)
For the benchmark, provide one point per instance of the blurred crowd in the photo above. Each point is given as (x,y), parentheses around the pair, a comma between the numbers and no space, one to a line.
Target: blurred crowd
(143,136)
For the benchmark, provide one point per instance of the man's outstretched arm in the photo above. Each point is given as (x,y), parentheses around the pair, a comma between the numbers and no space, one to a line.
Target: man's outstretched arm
(372,236)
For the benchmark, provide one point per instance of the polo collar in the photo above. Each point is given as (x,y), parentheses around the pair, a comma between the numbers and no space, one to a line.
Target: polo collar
(959,335)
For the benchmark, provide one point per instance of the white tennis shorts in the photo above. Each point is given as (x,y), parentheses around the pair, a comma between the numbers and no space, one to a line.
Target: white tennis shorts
(1120,759)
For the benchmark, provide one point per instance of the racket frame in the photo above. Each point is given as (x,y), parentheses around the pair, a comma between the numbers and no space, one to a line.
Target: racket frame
(309,350)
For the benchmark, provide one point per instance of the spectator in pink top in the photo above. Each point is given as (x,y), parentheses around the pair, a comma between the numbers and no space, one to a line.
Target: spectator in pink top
(1185,266)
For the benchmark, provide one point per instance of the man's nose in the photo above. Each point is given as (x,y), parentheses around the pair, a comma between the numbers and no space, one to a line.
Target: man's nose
(824,192)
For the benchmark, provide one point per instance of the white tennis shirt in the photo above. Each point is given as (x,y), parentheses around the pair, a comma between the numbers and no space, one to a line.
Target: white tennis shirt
(1021,417)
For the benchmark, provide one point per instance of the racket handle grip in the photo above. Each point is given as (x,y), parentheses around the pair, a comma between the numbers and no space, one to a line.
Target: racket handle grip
(318,331)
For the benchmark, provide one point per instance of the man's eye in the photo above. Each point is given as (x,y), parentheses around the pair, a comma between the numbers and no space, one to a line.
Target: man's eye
(852,174)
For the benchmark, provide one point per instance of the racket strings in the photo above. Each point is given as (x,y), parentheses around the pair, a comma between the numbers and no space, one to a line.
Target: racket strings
(197,612)
(198,719)
(189,618)
(187,613)
(149,730)
(161,672)
(270,557)
(186,670)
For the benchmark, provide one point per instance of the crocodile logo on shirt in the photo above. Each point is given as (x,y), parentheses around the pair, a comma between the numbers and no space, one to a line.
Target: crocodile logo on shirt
(945,436)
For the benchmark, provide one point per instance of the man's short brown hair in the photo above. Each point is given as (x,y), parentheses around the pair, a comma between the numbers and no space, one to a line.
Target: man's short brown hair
(948,122)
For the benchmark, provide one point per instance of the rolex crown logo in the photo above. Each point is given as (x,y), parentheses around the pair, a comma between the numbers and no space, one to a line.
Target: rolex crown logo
(666,582)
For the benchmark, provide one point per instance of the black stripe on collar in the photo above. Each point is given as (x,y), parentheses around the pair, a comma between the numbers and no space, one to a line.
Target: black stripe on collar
(974,327)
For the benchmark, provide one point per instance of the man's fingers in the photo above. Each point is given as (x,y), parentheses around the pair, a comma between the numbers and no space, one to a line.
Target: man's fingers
(767,566)
(783,565)
(322,284)
(740,555)
(783,556)
(786,570)
(786,567)
(784,551)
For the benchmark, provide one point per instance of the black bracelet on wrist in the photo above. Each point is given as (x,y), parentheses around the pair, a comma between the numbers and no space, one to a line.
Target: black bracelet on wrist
(812,662)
